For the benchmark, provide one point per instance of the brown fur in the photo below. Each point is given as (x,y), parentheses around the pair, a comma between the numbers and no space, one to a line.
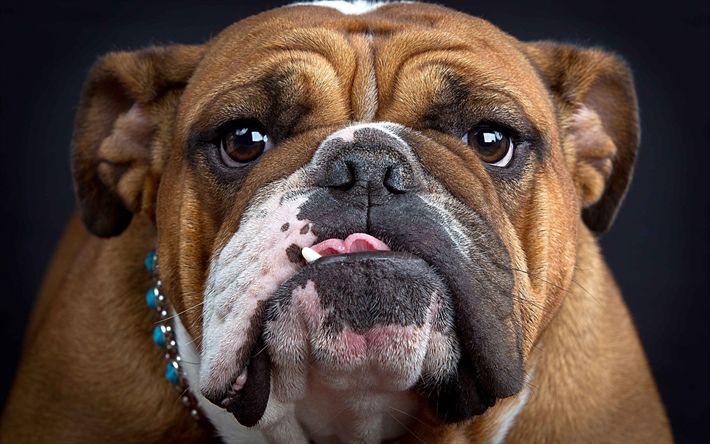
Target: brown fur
(590,381)
(74,383)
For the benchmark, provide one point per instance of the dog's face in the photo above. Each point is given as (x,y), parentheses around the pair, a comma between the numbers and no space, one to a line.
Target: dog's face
(440,167)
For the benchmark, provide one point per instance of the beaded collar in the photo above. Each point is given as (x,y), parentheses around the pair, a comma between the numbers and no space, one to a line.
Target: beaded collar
(164,337)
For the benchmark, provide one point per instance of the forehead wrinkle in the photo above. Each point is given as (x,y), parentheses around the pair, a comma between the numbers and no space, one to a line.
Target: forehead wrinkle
(331,46)
(512,85)
(454,33)
(293,62)
(315,45)
(394,52)
(490,93)
(363,88)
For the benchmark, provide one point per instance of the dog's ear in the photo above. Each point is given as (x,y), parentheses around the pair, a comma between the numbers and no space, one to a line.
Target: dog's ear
(596,100)
(126,108)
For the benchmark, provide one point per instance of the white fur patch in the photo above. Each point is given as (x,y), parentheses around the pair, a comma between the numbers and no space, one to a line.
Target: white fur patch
(347,134)
(356,7)
(508,418)
(227,427)
(278,425)
(246,272)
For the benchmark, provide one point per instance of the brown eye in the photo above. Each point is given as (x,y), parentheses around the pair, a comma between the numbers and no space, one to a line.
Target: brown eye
(492,146)
(242,143)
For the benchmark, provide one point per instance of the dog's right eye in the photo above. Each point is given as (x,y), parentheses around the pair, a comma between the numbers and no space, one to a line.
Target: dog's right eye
(243,142)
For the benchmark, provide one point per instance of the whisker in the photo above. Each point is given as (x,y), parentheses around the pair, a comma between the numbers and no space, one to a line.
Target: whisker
(194,340)
(410,415)
(182,393)
(260,351)
(531,386)
(324,428)
(410,431)
(519,295)
(534,275)
(178,314)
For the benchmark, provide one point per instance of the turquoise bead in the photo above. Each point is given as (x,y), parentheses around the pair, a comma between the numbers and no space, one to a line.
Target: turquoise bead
(150,261)
(171,373)
(150,298)
(158,336)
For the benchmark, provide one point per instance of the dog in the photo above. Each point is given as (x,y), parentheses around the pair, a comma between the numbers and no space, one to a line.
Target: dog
(372,223)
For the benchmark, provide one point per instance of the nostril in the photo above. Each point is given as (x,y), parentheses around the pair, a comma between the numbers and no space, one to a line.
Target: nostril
(394,180)
(341,175)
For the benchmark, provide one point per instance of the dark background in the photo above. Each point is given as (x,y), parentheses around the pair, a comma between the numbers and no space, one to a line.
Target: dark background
(658,248)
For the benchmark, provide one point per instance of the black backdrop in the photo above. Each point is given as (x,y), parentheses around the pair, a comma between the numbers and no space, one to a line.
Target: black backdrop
(658,248)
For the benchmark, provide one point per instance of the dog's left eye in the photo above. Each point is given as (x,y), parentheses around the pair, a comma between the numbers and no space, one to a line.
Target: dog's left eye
(243,142)
(493,146)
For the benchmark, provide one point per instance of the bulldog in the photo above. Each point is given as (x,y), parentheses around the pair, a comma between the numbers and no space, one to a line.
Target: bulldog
(373,222)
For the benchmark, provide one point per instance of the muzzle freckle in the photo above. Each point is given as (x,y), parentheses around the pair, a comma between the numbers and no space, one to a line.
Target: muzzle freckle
(293,252)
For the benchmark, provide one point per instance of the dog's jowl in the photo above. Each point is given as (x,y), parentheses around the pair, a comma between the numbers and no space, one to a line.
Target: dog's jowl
(371,223)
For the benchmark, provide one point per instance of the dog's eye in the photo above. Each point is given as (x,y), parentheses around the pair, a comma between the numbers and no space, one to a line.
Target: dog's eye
(243,142)
(492,146)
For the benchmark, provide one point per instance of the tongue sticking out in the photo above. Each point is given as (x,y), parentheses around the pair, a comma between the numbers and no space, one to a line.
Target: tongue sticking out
(355,243)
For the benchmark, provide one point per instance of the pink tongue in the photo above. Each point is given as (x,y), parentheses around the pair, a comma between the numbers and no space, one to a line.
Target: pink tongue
(354,243)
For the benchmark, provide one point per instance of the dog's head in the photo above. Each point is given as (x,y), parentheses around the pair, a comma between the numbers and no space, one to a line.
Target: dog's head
(441,167)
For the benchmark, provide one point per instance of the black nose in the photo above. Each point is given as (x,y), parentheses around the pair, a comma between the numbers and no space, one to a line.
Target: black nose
(370,167)
(360,170)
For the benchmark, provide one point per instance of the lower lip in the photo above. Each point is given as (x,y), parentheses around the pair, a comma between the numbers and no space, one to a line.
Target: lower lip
(365,255)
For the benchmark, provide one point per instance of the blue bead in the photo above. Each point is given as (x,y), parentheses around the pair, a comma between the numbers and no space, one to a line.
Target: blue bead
(150,298)
(158,336)
(150,261)
(171,373)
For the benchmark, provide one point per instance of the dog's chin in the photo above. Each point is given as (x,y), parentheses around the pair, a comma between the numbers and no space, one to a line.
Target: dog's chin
(365,322)
(372,321)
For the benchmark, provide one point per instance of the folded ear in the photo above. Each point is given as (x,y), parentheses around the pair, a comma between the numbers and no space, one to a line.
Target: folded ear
(597,103)
(121,132)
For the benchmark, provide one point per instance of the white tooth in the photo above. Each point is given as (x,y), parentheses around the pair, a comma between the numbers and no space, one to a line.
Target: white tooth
(310,255)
